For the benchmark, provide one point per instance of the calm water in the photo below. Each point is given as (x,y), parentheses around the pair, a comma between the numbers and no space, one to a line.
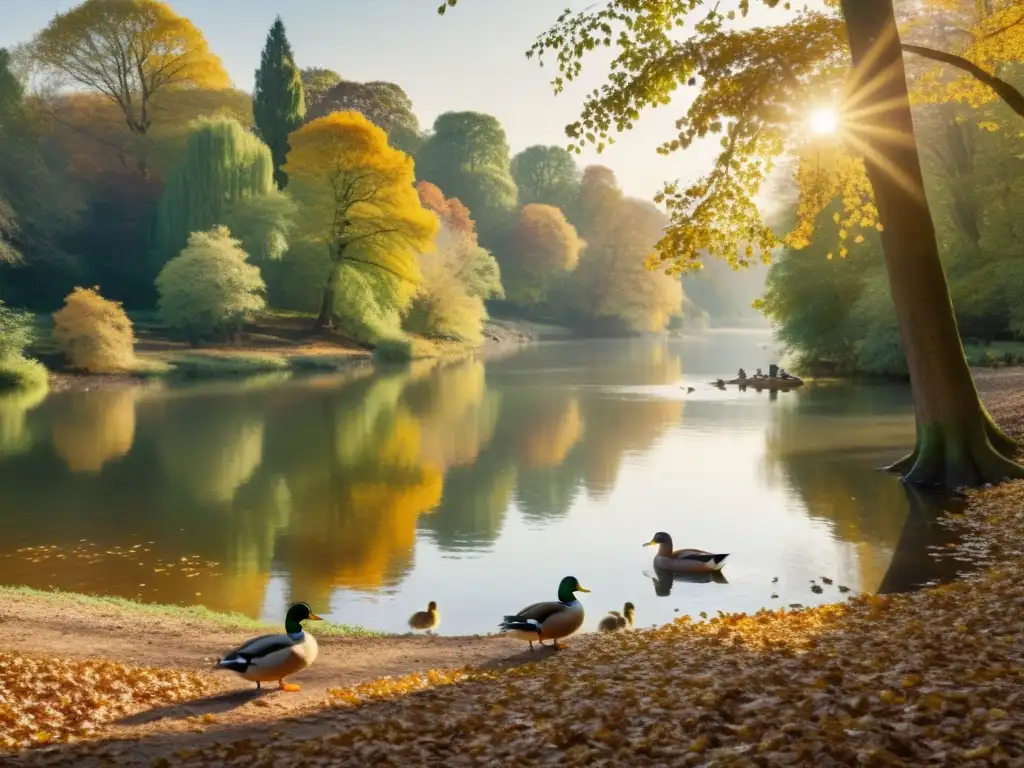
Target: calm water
(476,484)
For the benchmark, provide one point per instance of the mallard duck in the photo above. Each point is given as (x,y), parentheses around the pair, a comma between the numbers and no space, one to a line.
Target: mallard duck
(551,620)
(683,560)
(428,619)
(615,621)
(275,657)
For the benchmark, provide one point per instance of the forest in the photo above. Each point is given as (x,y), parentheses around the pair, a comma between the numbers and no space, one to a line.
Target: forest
(137,182)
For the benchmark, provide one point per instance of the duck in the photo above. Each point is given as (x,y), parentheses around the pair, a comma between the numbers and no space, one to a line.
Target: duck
(426,620)
(615,621)
(551,620)
(684,560)
(275,657)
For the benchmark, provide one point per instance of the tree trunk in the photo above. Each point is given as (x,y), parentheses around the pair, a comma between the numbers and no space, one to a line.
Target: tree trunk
(325,316)
(958,444)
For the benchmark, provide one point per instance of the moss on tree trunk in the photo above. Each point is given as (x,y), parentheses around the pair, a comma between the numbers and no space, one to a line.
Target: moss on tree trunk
(957,442)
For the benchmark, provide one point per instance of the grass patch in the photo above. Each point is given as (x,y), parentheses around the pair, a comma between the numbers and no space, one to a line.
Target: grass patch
(394,350)
(22,373)
(326,363)
(147,368)
(214,366)
(184,612)
(998,354)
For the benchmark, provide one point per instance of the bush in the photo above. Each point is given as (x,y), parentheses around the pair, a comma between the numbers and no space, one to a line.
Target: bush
(394,350)
(16,332)
(209,289)
(94,334)
(22,373)
(443,307)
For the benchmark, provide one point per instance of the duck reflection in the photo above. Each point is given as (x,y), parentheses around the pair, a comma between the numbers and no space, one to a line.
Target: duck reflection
(664,579)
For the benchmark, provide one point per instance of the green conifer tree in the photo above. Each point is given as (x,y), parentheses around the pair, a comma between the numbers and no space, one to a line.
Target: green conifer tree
(278,103)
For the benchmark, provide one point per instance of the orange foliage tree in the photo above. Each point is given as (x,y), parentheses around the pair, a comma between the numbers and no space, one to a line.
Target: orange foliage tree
(542,246)
(452,213)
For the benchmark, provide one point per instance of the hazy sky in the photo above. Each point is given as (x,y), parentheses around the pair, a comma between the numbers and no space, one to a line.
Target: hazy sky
(471,59)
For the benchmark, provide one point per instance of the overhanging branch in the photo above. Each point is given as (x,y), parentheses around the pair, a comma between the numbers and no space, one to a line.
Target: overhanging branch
(1014,99)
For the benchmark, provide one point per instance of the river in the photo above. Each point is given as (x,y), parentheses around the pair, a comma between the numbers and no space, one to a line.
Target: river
(476,484)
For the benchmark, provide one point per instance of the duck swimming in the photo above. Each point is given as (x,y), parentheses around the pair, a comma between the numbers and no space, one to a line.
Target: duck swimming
(683,560)
(550,620)
(275,657)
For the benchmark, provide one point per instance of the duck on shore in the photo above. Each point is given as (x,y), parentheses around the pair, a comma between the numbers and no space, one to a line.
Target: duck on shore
(684,560)
(427,620)
(275,657)
(552,620)
(615,621)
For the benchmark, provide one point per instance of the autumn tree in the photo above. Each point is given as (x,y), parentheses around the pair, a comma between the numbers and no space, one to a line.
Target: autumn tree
(748,82)
(467,156)
(385,105)
(278,106)
(450,210)
(612,283)
(542,246)
(316,82)
(131,52)
(473,265)
(225,178)
(547,175)
(358,203)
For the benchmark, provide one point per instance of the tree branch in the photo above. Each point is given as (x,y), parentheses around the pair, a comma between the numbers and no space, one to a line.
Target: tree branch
(1014,99)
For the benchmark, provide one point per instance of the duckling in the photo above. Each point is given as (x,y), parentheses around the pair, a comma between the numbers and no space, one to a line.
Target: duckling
(615,621)
(549,620)
(426,620)
(275,657)
(683,560)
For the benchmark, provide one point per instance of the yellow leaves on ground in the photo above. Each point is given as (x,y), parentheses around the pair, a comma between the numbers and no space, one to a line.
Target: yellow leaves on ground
(43,701)
(880,680)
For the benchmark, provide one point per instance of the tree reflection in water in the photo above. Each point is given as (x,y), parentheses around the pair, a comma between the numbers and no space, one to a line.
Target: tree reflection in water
(828,443)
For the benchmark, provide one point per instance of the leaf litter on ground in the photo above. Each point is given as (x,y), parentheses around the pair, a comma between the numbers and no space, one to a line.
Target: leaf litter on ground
(934,677)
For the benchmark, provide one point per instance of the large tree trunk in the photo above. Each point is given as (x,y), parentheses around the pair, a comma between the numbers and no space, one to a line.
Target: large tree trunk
(958,444)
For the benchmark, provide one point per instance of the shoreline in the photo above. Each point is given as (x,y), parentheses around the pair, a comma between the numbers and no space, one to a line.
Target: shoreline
(873,680)
(237,361)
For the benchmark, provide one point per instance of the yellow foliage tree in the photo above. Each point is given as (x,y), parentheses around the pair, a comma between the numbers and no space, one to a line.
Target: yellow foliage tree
(755,86)
(357,199)
(612,280)
(93,333)
(129,51)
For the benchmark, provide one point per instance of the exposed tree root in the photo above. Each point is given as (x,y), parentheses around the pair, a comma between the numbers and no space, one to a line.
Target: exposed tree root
(953,458)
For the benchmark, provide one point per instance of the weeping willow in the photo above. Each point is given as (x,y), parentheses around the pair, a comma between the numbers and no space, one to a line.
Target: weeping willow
(223,165)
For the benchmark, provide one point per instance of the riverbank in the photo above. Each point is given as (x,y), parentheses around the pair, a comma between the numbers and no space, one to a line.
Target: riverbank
(932,677)
(278,343)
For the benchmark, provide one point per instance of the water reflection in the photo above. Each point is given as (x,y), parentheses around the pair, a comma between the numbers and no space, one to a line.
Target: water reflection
(828,445)
(366,492)
(663,579)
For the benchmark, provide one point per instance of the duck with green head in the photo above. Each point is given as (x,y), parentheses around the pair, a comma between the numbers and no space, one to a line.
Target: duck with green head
(550,620)
(275,657)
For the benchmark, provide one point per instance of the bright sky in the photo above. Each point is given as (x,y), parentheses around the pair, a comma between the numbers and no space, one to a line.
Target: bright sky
(471,59)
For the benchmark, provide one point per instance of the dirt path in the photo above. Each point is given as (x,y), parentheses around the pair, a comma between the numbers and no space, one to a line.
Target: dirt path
(69,630)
